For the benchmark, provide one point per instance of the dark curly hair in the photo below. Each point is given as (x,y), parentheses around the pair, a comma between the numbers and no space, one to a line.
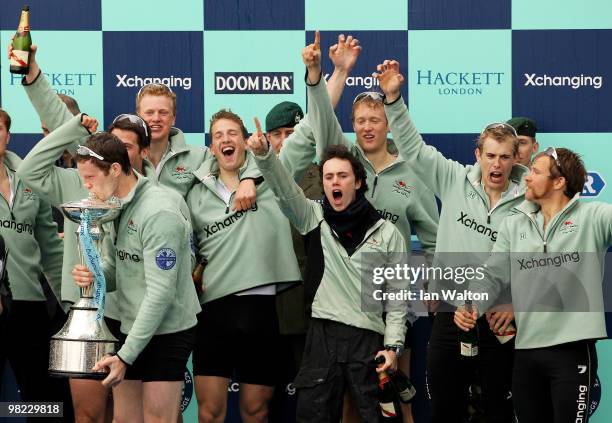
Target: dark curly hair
(341,152)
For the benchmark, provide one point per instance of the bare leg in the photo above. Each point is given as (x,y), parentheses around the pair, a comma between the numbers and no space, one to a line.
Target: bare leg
(254,400)
(211,392)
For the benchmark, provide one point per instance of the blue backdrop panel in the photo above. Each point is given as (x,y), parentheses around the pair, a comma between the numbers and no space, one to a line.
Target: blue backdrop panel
(558,79)
(129,63)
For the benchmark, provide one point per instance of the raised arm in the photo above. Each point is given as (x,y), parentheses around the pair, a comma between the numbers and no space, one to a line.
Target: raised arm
(50,108)
(301,212)
(38,170)
(343,55)
(299,149)
(437,173)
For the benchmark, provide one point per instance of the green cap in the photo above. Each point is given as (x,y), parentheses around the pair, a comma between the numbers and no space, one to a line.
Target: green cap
(524,126)
(284,115)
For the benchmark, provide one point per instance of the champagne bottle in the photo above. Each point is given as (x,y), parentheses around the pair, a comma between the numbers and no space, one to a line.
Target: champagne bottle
(20,56)
(403,386)
(468,341)
(387,396)
(506,335)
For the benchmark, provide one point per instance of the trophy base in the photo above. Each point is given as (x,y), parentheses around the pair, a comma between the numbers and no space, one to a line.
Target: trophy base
(76,358)
(79,375)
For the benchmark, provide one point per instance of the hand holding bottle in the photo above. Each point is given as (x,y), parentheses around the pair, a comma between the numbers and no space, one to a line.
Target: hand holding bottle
(464,319)
(388,363)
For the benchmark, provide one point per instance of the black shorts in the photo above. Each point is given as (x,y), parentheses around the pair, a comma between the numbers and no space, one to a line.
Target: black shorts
(238,336)
(114,326)
(164,358)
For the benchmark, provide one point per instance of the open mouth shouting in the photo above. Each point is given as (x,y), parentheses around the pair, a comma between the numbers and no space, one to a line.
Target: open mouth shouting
(228,151)
(337,197)
(496,177)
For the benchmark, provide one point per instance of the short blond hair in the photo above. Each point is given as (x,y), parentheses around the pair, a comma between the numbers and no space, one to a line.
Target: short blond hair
(499,134)
(156,90)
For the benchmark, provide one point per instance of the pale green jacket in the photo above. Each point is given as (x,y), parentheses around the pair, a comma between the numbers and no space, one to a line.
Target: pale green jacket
(338,297)
(557,268)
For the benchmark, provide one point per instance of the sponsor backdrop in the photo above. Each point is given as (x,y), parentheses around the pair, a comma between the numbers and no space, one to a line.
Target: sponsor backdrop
(467,63)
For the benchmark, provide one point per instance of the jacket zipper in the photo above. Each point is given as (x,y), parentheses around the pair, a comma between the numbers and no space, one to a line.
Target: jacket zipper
(374,185)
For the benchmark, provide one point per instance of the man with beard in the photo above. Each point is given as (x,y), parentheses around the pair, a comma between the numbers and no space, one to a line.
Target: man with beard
(554,240)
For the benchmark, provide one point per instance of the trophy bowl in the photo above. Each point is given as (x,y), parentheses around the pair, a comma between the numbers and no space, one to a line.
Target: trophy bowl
(83,340)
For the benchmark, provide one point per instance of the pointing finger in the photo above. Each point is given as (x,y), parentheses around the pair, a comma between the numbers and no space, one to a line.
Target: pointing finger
(258,126)
(317,41)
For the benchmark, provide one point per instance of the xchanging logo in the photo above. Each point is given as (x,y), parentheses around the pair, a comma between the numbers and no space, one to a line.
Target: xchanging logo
(127,256)
(575,81)
(253,83)
(459,83)
(554,261)
(130,81)
(213,228)
(387,215)
(581,403)
(478,227)
(17,227)
(367,82)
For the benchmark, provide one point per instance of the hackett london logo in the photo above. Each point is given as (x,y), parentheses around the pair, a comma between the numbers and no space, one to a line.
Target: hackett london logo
(458,82)
(253,83)
(64,83)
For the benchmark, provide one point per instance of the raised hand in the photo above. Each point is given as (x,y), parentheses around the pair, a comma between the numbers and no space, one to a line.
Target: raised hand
(344,53)
(311,56)
(390,79)
(257,142)
(89,123)
(34,69)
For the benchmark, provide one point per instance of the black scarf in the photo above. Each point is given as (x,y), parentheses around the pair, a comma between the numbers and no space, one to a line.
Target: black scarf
(352,223)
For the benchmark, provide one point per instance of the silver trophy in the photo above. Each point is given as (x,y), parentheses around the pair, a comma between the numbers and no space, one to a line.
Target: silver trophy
(84,340)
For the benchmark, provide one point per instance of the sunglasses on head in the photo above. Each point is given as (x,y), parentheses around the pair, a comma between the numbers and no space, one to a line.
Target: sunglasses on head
(133,119)
(552,152)
(374,95)
(502,125)
(86,151)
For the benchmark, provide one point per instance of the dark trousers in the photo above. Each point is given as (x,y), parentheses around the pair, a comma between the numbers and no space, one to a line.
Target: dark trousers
(24,342)
(337,357)
(449,374)
(553,384)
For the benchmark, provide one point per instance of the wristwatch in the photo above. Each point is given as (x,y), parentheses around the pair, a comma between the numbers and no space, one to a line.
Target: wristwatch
(397,348)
